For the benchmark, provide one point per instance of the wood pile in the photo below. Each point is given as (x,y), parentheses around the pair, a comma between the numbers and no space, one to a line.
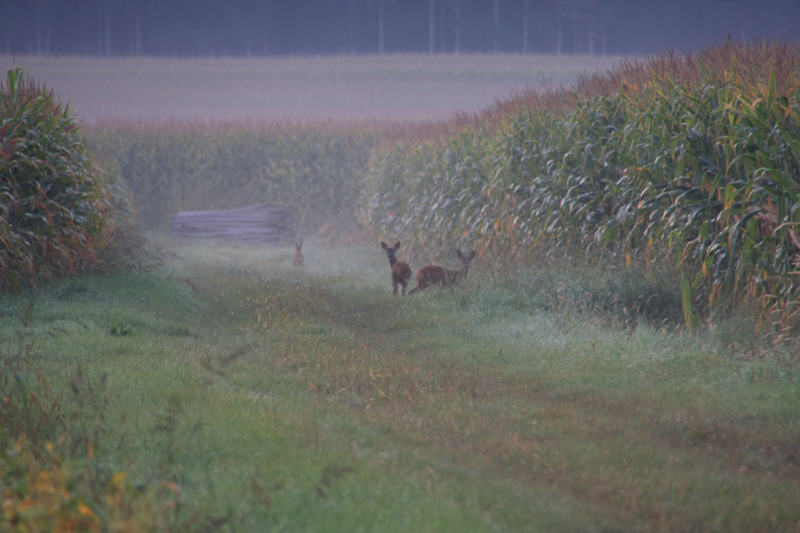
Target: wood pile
(257,224)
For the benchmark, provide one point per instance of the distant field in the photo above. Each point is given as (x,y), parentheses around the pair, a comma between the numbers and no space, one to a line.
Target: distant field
(405,87)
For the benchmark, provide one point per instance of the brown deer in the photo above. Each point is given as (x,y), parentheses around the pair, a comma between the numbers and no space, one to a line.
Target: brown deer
(401,272)
(297,260)
(436,275)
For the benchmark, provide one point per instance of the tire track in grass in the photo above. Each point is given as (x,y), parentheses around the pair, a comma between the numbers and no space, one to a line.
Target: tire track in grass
(654,463)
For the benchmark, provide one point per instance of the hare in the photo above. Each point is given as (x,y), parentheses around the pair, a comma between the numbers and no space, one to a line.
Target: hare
(297,260)
(401,272)
(436,275)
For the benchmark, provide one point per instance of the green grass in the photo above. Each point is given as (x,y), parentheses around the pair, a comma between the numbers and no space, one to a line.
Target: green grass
(311,399)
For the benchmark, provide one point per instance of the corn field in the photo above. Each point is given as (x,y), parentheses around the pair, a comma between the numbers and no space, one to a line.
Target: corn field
(57,209)
(315,174)
(689,160)
(701,172)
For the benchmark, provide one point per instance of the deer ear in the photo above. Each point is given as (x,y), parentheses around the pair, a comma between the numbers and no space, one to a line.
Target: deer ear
(397,245)
(472,254)
(383,245)
(459,254)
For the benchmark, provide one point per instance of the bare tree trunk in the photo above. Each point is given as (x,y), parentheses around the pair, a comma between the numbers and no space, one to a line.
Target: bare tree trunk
(266,22)
(558,28)
(138,44)
(351,27)
(441,29)
(38,15)
(305,34)
(381,36)
(741,20)
(108,30)
(99,33)
(525,27)
(38,37)
(575,38)
(496,26)
(431,29)
(604,40)
(458,28)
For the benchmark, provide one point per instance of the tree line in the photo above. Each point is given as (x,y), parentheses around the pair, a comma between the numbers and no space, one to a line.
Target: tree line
(324,27)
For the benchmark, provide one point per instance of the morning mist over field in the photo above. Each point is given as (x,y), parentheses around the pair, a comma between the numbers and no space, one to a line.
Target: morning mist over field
(347,59)
(395,87)
(400,265)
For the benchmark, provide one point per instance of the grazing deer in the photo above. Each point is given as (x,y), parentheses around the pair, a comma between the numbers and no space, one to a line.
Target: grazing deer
(436,275)
(297,260)
(401,272)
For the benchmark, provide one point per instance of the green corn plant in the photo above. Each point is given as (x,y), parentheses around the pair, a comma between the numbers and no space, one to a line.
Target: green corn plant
(54,204)
(703,173)
(316,174)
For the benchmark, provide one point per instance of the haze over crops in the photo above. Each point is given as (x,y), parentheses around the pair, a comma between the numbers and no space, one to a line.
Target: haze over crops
(401,87)
(623,355)
(603,366)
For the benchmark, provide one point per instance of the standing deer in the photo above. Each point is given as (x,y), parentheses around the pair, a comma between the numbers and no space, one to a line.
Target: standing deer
(401,272)
(297,260)
(436,275)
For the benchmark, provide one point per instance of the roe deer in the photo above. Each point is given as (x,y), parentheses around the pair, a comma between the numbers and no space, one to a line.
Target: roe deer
(436,275)
(297,260)
(401,272)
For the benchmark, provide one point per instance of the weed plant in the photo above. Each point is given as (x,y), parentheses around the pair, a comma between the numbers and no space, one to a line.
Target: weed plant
(49,435)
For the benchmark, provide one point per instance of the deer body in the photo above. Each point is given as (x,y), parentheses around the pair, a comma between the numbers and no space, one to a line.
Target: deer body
(401,272)
(297,260)
(436,275)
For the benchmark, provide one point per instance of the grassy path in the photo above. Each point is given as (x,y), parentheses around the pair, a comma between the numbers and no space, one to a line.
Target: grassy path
(310,399)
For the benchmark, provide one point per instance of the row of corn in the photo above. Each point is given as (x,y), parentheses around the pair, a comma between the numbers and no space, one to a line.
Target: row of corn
(56,206)
(316,174)
(704,175)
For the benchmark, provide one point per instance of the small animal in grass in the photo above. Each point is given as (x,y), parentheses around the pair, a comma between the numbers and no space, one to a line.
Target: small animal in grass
(436,275)
(401,272)
(297,260)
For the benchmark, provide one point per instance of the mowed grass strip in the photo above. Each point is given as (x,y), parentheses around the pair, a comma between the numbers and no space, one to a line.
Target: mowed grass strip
(312,399)
(655,433)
